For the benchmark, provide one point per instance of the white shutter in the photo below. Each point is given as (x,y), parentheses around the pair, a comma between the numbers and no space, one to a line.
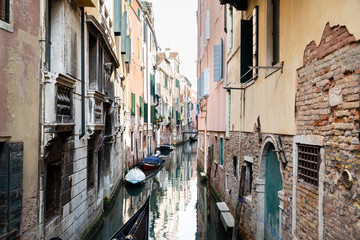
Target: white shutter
(206,80)
(207,25)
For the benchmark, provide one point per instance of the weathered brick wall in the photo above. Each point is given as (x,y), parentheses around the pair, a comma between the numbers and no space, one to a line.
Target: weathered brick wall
(327,104)
(251,146)
(307,217)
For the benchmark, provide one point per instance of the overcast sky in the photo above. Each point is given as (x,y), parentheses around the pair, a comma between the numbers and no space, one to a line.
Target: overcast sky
(175,27)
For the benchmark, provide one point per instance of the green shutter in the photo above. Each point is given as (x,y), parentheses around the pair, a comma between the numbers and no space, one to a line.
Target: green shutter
(141,109)
(132,104)
(152,112)
(146,112)
(123,32)
(128,49)
(117,17)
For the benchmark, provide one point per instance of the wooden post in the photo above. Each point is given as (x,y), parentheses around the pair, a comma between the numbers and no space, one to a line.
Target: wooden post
(239,204)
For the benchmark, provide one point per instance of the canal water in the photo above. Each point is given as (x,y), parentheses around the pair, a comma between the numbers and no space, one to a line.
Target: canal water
(181,205)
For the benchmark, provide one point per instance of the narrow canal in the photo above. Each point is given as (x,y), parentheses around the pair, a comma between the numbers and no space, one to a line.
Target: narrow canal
(181,205)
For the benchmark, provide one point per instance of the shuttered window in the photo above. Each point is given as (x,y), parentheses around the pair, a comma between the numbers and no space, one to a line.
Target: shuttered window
(206,81)
(11,180)
(207,25)
(219,61)
(166,81)
(117,17)
(145,113)
(141,106)
(128,49)
(123,32)
(132,104)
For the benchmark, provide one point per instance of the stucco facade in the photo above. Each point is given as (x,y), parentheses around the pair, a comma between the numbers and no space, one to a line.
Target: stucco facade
(19,128)
(301,98)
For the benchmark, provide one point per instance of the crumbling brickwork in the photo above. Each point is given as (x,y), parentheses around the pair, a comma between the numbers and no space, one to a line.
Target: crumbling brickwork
(327,104)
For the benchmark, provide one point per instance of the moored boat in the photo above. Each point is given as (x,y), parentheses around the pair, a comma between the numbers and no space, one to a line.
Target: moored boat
(137,227)
(165,149)
(151,162)
(135,176)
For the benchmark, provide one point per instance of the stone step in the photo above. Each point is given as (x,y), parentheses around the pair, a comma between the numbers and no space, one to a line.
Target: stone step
(227,220)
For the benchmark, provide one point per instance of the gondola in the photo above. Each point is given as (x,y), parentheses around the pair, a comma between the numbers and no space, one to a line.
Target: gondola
(137,227)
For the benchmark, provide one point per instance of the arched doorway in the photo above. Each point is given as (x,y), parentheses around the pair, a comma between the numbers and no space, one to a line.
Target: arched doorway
(273,184)
(269,183)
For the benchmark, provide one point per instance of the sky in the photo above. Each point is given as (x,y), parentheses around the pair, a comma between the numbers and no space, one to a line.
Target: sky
(176,28)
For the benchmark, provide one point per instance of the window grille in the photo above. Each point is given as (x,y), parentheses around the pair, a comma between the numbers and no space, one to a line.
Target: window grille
(308,163)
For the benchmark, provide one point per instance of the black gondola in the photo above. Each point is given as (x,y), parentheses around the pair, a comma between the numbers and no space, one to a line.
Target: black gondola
(137,227)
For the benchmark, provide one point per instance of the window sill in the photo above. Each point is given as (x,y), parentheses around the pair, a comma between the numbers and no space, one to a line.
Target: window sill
(6,26)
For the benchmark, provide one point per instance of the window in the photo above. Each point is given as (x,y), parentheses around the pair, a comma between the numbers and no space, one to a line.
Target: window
(249,47)
(221,148)
(132,104)
(166,81)
(53,189)
(138,12)
(248,178)
(276,31)
(5,10)
(141,109)
(90,163)
(234,165)
(230,28)
(219,61)
(145,113)
(308,164)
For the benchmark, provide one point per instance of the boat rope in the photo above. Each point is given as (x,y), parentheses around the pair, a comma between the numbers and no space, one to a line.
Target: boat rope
(242,200)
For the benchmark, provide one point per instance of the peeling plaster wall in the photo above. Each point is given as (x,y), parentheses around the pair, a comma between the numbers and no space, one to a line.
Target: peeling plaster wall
(19,98)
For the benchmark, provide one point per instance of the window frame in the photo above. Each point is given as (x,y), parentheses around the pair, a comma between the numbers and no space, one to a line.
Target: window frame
(7,24)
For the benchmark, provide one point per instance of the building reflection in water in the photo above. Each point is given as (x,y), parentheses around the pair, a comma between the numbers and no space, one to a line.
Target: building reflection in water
(181,206)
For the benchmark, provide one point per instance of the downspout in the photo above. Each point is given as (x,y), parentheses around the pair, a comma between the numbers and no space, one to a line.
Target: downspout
(44,67)
(82,133)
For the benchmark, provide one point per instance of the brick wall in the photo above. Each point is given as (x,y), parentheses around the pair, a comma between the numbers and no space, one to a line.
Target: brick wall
(327,104)
(251,147)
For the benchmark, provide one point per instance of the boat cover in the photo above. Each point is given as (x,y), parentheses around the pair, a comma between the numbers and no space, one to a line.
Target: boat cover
(135,175)
(152,159)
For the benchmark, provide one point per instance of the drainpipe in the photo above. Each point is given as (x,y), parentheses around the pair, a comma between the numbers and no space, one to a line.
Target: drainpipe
(82,133)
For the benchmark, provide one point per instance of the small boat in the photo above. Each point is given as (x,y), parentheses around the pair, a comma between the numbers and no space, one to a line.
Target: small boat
(150,162)
(135,176)
(165,149)
(193,138)
(137,227)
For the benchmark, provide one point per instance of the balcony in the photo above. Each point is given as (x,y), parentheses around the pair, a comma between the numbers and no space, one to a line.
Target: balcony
(58,105)
(95,111)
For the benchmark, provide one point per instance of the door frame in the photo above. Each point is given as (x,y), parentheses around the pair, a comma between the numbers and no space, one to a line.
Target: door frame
(269,140)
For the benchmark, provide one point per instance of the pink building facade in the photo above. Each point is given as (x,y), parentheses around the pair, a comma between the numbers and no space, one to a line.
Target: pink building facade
(211,74)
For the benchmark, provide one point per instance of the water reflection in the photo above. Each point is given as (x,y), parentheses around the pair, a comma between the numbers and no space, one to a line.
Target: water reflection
(181,206)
